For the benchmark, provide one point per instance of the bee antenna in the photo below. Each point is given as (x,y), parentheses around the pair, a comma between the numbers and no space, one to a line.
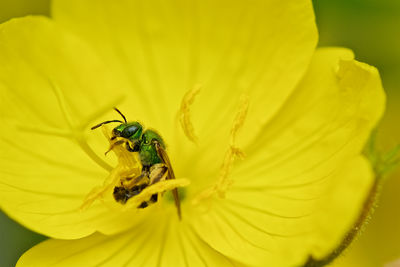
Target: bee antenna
(105,122)
(120,113)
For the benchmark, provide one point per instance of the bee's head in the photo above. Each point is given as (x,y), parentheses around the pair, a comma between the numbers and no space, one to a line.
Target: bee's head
(131,131)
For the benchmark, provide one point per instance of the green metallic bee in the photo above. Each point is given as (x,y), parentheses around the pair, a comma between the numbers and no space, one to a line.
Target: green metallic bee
(153,156)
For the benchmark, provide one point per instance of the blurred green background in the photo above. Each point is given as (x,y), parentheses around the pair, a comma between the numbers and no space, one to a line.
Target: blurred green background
(372,29)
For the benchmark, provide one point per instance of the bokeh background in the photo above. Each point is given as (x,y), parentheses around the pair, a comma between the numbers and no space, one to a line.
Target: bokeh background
(372,29)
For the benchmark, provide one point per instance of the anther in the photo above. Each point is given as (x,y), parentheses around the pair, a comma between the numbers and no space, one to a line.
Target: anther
(223,183)
(184,113)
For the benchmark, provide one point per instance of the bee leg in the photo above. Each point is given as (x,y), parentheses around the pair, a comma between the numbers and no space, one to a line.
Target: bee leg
(113,145)
(155,173)
(129,147)
(122,194)
(131,182)
(132,147)
(158,172)
(143,205)
(152,200)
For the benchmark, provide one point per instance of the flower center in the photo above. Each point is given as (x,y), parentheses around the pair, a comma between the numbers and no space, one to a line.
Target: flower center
(133,183)
(144,173)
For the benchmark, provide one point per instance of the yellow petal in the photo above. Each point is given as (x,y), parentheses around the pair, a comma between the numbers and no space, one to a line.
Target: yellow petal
(52,88)
(167,48)
(161,241)
(340,205)
(302,185)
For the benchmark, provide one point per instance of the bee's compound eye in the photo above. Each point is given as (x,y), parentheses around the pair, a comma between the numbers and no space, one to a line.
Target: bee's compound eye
(129,131)
(116,132)
(132,131)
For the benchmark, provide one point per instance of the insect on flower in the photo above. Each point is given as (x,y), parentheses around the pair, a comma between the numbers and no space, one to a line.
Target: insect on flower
(238,78)
(154,159)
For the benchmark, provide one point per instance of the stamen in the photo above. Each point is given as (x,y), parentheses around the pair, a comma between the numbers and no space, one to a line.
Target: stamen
(224,182)
(89,151)
(128,166)
(240,117)
(71,134)
(126,160)
(76,130)
(82,141)
(184,113)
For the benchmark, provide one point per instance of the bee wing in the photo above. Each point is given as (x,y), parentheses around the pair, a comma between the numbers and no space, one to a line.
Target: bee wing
(164,157)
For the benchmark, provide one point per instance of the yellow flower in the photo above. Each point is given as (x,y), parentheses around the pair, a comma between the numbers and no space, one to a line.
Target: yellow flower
(268,130)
